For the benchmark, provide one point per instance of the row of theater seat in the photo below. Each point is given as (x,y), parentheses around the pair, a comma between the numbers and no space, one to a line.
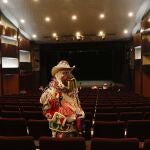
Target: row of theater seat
(117,109)
(123,116)
(113,129)
(25,114)
(73,143)
(13,107)
(105,114)
(22,127)
(118,129)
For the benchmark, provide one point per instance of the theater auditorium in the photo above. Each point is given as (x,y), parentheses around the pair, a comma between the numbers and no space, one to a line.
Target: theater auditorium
(75,74)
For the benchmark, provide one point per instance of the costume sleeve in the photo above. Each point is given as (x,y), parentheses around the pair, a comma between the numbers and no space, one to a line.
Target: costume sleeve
(45,96)
(50,102)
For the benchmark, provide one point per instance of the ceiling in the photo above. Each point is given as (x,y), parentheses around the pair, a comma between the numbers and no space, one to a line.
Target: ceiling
(88,22)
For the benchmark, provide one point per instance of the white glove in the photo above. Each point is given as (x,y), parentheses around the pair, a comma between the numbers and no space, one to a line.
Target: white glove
(80,113)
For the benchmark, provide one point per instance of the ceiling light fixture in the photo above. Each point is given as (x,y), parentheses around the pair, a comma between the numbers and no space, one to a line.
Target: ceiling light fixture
(78,33)
(102,16)
(74,17)
(79,36)
(125,31)
(101,34)
(47,19)
(22,20)
(5,1)
(34,36)
(130,14)
(55,36)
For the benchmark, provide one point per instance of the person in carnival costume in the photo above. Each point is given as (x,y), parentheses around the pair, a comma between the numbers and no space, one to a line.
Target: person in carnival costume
(61,105)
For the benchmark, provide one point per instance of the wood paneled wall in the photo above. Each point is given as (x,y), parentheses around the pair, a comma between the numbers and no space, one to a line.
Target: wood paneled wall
(137,79)
(146,84)
(10,84)
(0,84)
(142,69)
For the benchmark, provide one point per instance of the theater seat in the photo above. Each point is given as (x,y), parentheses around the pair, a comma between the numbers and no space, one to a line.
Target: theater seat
(139,129)
(38,128)
(109,129)
(11,114)
(33,115)
(71,143)
(125,116)
(13,127)
(17,143)
(114,144)
(106,116)
(87,129)
(146,144)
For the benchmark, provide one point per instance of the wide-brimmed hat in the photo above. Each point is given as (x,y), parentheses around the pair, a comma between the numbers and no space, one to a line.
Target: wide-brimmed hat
(62,65)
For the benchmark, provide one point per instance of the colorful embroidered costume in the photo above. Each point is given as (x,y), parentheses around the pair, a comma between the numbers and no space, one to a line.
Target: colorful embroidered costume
(61,105)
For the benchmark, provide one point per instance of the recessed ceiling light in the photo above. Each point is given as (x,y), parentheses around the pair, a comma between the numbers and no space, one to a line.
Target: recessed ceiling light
(47,19)
(74,17)
(34,36)
(102,16)
(54,34)
(22,20)
(35,0)
(5,1)
(100,33)
(130,14)
(78,34)
(125,31)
